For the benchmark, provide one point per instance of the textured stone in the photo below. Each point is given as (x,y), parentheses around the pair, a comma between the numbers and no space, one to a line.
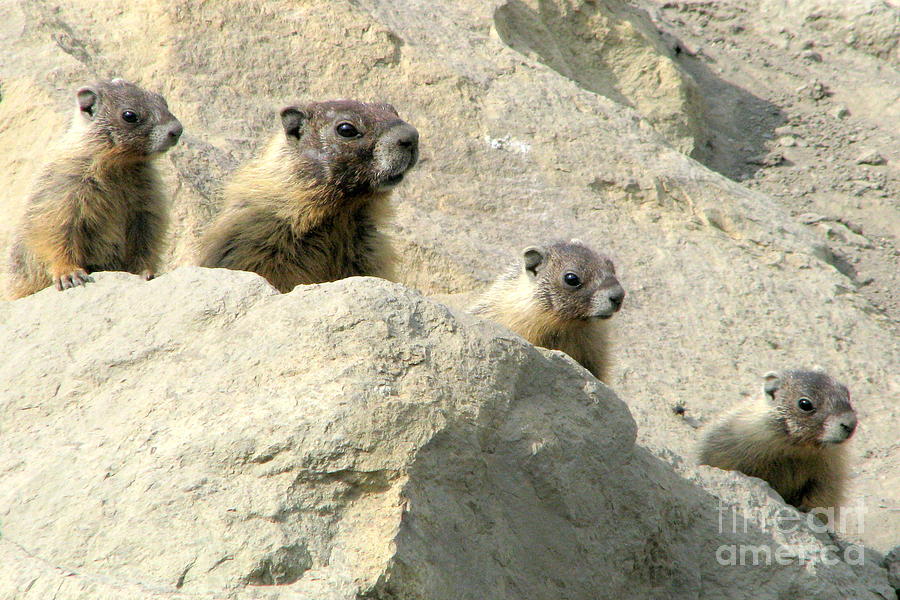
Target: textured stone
(346,440)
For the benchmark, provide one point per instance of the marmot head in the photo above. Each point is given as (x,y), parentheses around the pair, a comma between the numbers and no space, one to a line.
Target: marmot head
(572,281)
(351,147)
(812,408)
(131,121)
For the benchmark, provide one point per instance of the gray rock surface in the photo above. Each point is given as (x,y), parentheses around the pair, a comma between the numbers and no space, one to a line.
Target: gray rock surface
(349,440)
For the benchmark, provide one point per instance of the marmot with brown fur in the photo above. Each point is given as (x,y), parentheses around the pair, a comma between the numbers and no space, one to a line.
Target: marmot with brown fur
(97,205)
(792,437)
(559,297)
(311,208)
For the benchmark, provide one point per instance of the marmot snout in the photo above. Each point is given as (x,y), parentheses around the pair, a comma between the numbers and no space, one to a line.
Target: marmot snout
(558,297)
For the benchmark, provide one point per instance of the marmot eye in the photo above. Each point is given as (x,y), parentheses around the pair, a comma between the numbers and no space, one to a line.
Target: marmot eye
(572,279)
(805,405)
(130,116)
(346,130)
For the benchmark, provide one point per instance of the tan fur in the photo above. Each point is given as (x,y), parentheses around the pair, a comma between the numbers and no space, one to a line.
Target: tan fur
(512,303)
(744,440)
(286,223)
(93,207)
(532,300)
(769,439)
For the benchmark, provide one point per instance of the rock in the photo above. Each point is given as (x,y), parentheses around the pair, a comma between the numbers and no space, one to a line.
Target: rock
(840,112)
(200,436)
(815,89)
(870,157)
(787,141)
(787,131)
(811,56)
(770,159)
(892,563)
(812,218)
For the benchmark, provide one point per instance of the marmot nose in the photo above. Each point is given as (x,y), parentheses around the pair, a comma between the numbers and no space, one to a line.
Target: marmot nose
(175,130)
(616,296)
(406,136)
(848,425)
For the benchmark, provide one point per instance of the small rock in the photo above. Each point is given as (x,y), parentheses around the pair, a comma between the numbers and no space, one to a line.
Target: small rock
(840,112)
(772,159)
(786,130)
(871,157)
(808,44)
(787,141)
(815,89)
(851,226)
(811,55)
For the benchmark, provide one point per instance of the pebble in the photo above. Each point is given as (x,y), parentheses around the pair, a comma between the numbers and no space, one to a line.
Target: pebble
(787,141)
(811,55)
(811,218)
(815,89)
(870,157)
(840,112)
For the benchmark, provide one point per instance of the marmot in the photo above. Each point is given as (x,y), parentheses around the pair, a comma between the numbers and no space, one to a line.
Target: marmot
(310,208)
(792,437)
(97,205)
(558,297)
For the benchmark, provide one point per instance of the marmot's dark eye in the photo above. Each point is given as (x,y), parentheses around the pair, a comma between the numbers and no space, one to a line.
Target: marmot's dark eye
(130,116)
(346,130)
(572,279)
(805,405)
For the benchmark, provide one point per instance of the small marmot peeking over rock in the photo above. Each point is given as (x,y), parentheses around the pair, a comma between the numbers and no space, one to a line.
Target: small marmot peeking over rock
(97,205)
(792,436)
(559,297)
(311,207)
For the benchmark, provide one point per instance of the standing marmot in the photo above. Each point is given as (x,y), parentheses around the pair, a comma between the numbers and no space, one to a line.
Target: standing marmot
(310,208)
(558,297)
(792,437)
(97,205)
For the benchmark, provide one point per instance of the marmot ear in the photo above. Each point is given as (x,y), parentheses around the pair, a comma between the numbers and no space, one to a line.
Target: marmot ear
(292,119)
(534,256)
(772,383)
(87,100)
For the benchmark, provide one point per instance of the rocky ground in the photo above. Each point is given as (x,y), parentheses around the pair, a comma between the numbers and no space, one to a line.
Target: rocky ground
(738,160)
(803,104)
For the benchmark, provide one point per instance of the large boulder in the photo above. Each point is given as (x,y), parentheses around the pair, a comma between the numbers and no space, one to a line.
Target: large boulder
(202,436)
